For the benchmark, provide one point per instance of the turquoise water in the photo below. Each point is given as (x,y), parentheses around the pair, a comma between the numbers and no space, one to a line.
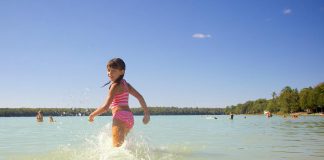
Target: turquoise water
(165,138)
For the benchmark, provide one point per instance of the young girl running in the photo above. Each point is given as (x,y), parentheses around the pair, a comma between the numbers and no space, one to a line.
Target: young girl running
(117,100)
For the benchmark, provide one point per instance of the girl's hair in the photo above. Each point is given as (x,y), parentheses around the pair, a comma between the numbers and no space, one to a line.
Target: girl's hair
(116,63)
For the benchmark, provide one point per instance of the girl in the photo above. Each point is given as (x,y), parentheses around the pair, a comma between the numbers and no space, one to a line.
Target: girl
(117,100)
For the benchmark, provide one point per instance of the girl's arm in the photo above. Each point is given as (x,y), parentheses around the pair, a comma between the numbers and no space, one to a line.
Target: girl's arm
(141,100)
(105,106)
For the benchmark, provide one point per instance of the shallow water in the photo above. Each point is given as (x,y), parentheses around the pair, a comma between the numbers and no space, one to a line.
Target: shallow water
(166,137)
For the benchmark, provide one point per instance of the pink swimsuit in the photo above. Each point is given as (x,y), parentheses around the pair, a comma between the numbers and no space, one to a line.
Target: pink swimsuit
(121,99)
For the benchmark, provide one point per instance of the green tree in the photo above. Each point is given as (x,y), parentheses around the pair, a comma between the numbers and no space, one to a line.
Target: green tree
(307,99)
(272,106)
(295,107)
(259,105)
(289,100)
(319,95)
(249,107)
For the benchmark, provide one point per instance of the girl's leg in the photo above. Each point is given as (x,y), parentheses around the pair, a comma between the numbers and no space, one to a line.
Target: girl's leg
(119,132)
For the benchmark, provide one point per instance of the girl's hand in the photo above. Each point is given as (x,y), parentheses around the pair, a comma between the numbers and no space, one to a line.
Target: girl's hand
(146,118)
(91,118)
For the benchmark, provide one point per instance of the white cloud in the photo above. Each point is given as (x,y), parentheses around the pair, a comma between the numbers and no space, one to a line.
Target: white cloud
(287,11)
(201,36)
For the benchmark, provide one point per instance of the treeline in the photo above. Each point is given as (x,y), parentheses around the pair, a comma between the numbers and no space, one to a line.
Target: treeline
(182,111)
(289,100)
(30,112)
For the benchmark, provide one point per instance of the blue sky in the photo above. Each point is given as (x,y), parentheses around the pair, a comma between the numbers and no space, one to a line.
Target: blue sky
(183,53)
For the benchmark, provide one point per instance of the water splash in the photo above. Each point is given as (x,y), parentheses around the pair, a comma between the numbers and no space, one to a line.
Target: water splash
(98,146)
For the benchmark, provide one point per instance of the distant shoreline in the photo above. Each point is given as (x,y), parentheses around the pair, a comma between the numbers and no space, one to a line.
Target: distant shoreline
(31,112)
(290,114)
(307,114)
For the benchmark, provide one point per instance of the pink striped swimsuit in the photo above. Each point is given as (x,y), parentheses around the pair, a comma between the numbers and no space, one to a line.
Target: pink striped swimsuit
(121,99)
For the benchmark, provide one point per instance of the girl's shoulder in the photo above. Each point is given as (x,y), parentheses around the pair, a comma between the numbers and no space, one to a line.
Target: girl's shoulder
(124,82)
(126,85)
(113,87)
(119,87)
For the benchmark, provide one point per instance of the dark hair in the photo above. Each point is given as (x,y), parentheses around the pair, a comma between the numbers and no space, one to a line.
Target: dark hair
(116,63)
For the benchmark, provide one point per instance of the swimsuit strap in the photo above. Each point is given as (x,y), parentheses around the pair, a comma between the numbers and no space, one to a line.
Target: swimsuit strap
(125,86)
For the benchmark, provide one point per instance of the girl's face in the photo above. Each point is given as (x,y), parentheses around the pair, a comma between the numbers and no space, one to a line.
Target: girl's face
(113,73)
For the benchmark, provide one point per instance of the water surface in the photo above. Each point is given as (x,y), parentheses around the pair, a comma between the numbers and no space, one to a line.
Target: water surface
(166,137)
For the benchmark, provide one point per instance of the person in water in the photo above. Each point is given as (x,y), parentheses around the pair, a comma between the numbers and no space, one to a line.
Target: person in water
(232,115)
(51,119)
(39,116)
(117,101)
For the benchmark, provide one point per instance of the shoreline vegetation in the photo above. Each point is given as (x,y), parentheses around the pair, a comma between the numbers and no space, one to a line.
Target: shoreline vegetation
(290,101)
(31,112)
(307,101)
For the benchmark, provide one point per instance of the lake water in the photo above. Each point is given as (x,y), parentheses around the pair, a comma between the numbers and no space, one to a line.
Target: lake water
(164,138)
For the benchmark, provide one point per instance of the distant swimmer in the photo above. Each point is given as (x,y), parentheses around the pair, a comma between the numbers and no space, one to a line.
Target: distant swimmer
(215,117)
(39,116)
(117,101)
(232,115)
(51,119)
(268,114)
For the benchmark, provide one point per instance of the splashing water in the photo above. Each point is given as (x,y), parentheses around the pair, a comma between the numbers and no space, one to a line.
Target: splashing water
(99,147)
(135,147)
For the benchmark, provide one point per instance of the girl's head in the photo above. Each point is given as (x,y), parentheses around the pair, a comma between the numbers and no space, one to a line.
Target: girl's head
(116,70)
